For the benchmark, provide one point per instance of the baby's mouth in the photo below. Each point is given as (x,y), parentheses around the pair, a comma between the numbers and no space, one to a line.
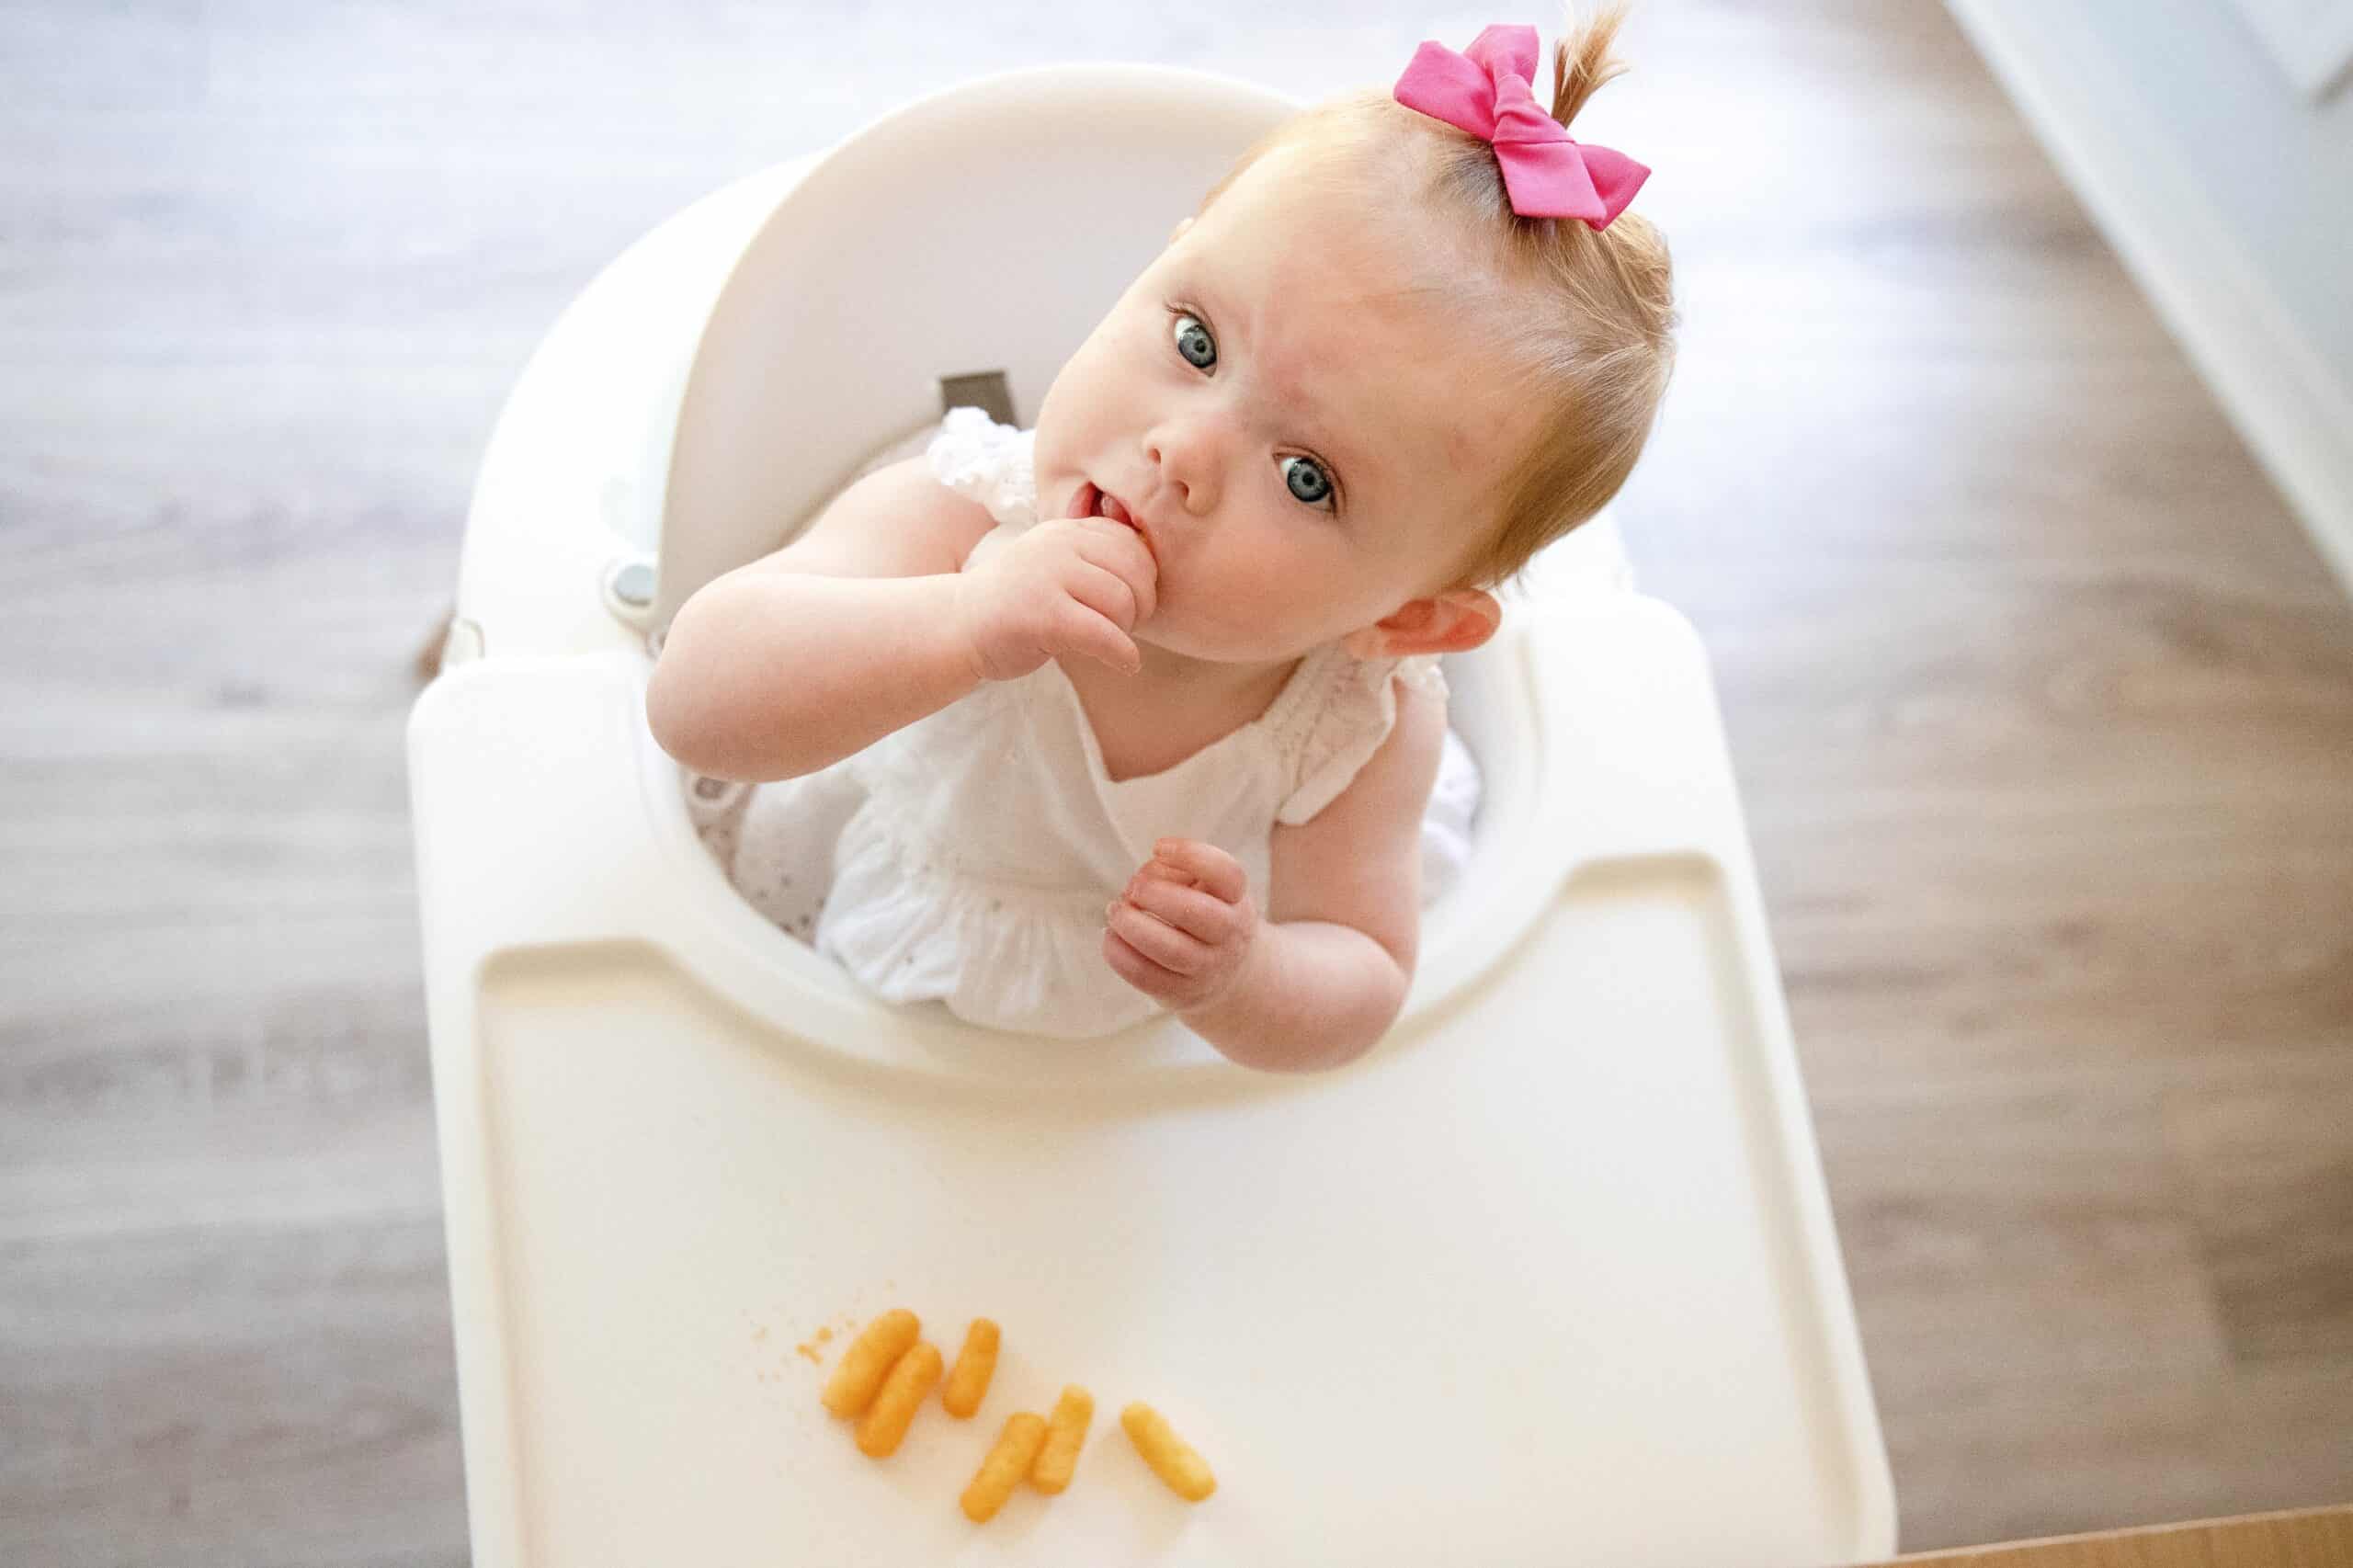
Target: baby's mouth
(1091,502)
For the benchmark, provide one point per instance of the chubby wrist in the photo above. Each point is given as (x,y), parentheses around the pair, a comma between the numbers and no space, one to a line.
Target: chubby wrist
(1311,996)
(1238,1005)
(950,625)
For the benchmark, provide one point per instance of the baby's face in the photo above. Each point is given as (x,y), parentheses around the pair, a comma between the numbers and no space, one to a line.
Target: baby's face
(1305,441)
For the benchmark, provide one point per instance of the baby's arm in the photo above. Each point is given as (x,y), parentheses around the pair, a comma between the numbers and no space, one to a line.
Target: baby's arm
(1320,980)
(817,651)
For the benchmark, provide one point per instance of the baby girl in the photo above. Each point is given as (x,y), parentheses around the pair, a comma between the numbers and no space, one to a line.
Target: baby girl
(1141,709)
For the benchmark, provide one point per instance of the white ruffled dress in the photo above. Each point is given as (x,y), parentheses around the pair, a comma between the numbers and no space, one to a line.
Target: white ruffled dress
(967,858)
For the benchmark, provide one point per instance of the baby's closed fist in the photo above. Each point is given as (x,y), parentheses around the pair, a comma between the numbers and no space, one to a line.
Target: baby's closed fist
(1067,585)
(1182,930)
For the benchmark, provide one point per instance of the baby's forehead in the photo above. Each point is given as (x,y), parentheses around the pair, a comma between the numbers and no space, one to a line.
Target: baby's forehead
(1362,313)
(1314,256)
(1391,356)
(1333,233)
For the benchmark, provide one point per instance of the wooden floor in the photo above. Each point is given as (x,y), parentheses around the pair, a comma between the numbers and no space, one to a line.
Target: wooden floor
(2041,703)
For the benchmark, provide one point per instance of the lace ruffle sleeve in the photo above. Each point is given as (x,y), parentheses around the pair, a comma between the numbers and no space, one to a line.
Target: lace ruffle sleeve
(1358,709)
(975,456)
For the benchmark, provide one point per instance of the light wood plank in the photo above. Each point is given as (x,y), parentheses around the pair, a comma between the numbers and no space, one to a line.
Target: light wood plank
(2299,1539)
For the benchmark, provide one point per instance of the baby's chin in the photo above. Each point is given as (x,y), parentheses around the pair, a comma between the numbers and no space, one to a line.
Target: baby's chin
(1218,645)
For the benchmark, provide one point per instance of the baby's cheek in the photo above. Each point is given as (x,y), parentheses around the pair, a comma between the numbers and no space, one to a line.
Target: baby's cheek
(1284,596)
(1233,617)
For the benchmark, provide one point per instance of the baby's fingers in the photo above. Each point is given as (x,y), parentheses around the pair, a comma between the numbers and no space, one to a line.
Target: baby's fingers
(1189,909)
(1211,868)
(1105,593)
(1122,552)
(1080,629)
(1162,943)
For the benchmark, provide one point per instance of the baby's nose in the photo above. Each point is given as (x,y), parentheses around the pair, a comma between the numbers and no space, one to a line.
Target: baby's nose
(1188,465)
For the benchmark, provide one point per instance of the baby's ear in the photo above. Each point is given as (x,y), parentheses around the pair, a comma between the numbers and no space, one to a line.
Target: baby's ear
(1454,622)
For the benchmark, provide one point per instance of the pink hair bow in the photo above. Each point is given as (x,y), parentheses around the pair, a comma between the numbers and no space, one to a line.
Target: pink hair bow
(1486,91)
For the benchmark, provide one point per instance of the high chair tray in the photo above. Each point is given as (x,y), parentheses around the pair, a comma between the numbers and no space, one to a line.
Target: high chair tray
(1548,1278)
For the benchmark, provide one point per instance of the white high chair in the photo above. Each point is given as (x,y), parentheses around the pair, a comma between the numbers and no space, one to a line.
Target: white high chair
(1549,1277)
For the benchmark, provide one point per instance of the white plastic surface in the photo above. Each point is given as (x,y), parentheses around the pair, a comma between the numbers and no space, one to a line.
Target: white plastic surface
(573,478)
(1547,1277)
(1552,1265)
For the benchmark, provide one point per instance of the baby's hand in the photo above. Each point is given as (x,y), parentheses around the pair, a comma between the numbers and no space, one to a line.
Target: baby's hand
(1068,585)
(1180,932)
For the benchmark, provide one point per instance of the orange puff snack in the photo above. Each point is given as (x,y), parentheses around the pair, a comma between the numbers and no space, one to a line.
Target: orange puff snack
(1065,1435)
(975,1365)
(895,1403)
(1187,1473)
(868,1361)
(1016,1451)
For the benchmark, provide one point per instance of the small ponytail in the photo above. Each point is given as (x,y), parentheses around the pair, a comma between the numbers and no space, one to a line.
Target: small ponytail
(1575,81)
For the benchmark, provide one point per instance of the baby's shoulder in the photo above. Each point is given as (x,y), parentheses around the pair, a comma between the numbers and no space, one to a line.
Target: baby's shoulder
(1392,783)
(897,520)
(1416,734)
(1360,701)
(1393,710)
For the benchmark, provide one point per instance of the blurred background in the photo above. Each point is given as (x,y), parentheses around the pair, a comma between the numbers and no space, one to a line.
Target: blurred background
(2003,475)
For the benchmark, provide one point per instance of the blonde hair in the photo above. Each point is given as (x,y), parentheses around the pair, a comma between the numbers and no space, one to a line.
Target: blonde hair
(1580,320)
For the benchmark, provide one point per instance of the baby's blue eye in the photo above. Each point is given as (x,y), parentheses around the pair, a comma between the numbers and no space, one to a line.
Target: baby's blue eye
(1307,480)
(1194,342)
